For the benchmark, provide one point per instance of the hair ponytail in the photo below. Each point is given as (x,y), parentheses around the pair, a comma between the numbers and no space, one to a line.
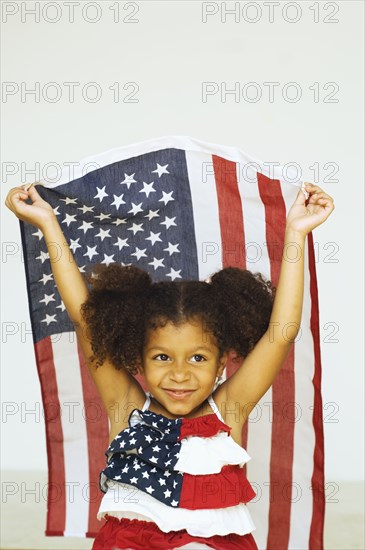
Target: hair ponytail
(114,313)
(245,300)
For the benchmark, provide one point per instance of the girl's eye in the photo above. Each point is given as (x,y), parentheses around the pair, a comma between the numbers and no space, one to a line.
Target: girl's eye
(201,357)
(162,355)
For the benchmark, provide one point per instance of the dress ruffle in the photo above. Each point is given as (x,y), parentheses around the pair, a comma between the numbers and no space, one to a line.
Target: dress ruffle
(139,535)
(199,456)
(122,500)
(228,488)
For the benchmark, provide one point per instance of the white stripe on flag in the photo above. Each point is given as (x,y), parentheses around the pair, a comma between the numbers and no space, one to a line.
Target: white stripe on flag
(205,209)
(75,449)
(260,420)
(206,213)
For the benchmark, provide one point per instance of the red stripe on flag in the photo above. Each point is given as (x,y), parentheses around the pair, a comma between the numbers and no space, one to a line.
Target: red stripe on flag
(97,430)
(283,388)
(56,501)
(230,213)
(231,221)
(317,524)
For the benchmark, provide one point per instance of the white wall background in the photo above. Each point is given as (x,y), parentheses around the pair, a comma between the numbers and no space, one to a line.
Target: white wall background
(169,52)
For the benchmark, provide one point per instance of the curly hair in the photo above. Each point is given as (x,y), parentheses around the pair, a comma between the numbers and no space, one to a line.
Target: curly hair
(124,303)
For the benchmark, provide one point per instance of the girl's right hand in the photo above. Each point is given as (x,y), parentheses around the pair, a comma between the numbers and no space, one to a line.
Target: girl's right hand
(39,213)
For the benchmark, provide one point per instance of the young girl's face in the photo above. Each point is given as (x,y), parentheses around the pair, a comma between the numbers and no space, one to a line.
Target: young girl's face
(181,359)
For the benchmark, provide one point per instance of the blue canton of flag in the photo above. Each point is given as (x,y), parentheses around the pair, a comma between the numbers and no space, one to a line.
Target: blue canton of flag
(126,212)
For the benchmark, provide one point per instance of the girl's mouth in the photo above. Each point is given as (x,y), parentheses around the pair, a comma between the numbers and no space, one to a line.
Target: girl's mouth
(179,394)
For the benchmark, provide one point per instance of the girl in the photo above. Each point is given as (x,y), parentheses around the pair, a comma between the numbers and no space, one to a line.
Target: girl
(174,475)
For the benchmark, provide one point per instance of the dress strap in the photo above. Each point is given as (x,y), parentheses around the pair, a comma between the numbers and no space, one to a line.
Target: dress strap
(215,408)
(147,402)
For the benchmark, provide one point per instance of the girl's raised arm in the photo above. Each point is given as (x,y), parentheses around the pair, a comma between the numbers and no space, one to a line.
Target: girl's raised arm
(69,281)
(261,366)
(116,387)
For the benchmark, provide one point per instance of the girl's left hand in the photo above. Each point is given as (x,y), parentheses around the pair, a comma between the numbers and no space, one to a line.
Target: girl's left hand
(302,218)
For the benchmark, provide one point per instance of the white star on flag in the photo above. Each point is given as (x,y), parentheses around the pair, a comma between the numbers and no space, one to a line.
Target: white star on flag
(139,253)
(68,200)
(75,244)
(85,226)
(174,274)
(118,201)
(148,188)
(101,194)
(91,252)
(103,233)
(166,197)
(85,208)
(38,234)
(157,263)
(135,209)
(169,222)
(135,228)
(43,256)
(121,243)
(49,319)
(69,219)
(103,216)
(161,170)
(108,259)
(45,278)
(172,248)
(48,298)
(154,237)
(128,180)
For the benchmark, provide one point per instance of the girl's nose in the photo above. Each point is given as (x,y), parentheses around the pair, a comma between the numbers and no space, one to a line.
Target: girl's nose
(179,372)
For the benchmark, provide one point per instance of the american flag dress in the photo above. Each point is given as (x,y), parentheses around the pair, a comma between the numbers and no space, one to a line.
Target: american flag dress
(175,483)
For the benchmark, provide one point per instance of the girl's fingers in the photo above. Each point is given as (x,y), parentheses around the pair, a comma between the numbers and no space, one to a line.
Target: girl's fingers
(313,189)
(33,193)
(325,201)
(16,197)
(317,195)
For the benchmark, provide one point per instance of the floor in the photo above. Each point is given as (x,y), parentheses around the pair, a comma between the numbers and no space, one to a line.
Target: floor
(344,525)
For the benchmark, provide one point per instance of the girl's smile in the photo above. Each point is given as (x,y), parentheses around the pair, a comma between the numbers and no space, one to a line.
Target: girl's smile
(182,394)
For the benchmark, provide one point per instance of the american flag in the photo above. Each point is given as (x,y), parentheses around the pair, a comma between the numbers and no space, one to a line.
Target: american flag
(181,209)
